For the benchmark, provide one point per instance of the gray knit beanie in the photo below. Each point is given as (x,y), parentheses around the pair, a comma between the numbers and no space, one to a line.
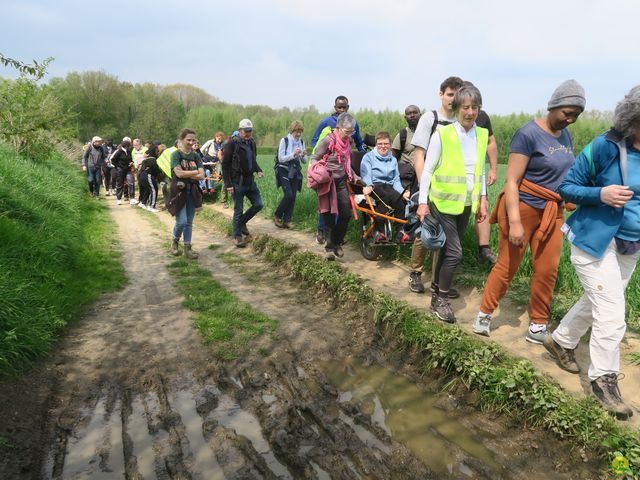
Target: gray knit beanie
(568,94)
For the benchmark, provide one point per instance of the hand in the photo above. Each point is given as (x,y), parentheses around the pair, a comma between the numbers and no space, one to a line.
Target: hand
(423,211)
(84,168)
(297,151)
(616,195)
(493,175)
(516,234)
(405,195)
(260,174)
(367,190)
(481,214)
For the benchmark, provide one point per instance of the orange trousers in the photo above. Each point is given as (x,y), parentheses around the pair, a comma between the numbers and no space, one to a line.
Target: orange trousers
(545,257)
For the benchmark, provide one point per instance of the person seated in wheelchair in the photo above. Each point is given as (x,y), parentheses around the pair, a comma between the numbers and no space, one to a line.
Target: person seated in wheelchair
(381,177)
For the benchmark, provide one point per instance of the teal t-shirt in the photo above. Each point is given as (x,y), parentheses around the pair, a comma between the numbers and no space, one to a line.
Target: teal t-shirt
(188,161)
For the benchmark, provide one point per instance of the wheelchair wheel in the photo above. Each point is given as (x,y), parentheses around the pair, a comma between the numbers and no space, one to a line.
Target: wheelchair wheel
(369,250)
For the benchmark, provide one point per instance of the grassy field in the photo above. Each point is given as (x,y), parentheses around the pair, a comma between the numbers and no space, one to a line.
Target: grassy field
(57,254)
(568,288)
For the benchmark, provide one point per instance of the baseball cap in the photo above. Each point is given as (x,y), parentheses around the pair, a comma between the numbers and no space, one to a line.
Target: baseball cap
(245,123)
(96,139)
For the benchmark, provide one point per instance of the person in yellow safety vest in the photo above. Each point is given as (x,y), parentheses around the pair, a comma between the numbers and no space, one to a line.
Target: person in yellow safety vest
(452,187)
(164,162)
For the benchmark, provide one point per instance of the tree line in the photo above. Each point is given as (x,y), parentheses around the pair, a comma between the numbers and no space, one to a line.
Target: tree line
(84,104)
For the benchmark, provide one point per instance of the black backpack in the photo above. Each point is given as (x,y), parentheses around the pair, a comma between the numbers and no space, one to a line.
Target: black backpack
(276,164)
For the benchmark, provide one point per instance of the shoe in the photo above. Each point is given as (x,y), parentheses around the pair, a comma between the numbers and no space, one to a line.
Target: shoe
(482,325)
(152,210)
(142,205)
(538,336)
(288,225)
(189,252)
(245,230)
(339,252)
(453,293)
(564,357)
(415,282)
(403,237)
(174,247)
(329,255)
(441,308)
(239,241)
(278,222)
(486,256)
(107,193)
(606,391)
(320,237)
(113,192)
(379,237)
(133,201)
(225,205)
(119,202)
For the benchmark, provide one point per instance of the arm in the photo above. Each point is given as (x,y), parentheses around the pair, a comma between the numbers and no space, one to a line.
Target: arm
(316,134)
(395,146)
(85,158)
(365,174)
(226,164)
(492,153)
(321,150)
(431,162)
(282,153)
(357,138)
(516,167)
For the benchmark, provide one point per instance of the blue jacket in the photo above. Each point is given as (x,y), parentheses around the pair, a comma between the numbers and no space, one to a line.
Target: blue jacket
(375,170)
(331,122)
(594,224)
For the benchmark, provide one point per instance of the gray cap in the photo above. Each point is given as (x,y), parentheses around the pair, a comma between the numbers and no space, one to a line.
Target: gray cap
(568,94)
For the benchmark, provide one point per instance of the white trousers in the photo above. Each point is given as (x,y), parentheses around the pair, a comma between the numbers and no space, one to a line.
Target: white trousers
(602,307)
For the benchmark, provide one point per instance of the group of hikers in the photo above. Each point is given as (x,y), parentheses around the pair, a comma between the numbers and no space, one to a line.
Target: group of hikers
(439,158)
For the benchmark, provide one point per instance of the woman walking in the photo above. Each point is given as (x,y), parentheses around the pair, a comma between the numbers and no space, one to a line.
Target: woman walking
(291,152)
(605,246)
(530,212)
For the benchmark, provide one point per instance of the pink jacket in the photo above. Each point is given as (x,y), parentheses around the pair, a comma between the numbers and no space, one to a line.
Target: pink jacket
(319,179)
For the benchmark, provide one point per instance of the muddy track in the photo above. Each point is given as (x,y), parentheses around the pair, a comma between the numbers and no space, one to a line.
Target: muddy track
(132,392)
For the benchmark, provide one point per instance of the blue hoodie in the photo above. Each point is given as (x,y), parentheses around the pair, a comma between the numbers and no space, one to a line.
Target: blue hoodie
(330,122)
(376,169)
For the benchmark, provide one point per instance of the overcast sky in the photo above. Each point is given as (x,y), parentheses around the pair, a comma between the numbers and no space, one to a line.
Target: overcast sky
(379,53)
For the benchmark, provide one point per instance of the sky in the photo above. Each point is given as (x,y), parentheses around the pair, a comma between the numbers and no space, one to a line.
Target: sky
(381,54)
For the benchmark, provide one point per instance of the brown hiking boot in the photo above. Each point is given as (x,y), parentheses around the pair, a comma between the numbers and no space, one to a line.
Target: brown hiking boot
(605,389)
(174,247)
(564,357)
(189,253)
(239,241)
(278,222)
(441,308)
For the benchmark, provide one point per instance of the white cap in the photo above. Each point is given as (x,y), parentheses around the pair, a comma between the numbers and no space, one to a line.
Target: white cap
(245,123)
(126,139)
(96,139)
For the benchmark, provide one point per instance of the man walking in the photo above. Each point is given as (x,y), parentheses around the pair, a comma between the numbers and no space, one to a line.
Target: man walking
(238,167)
(92,163)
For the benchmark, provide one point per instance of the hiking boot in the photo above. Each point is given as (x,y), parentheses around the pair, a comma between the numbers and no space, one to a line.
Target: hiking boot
(288,225)
(245,230)
(605,389)
(453,293)
(487,257)
(189,253)
(174,247)
(482,325)
(339,252)
(278,222)
(329,255)
(564,357)
(415,282)
(320,238)
(239,241)
(538,334)
(441,308)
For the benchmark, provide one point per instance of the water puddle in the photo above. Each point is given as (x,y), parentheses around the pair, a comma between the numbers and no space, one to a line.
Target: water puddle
(229,414)
(409,416)
(138,430)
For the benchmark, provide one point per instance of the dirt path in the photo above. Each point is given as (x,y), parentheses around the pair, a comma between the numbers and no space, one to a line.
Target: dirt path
(131,391)
(508,327)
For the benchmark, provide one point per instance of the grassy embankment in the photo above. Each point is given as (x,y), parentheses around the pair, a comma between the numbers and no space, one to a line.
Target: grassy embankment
(57,256)
(568,288)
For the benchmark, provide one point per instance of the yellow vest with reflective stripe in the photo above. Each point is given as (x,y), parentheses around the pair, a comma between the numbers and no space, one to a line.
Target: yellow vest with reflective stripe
(448,190)
(164,161)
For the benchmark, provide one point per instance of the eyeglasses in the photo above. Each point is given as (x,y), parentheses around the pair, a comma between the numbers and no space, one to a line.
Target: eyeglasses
(383,144)
(350,132)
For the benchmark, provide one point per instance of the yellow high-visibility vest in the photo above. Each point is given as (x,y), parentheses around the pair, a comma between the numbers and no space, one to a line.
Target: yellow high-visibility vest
(448,190)
(164,161)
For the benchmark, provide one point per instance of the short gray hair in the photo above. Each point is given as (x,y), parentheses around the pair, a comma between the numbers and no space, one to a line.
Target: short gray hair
(346,120)
(467,91)
(626,116)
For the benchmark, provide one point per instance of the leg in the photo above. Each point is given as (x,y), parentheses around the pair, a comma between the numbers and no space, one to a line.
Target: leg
(339,230)
(153,192)
(285,183)
(454,227)
(294,184)
(190,213)
(238,205)
(121,175)
(483,231)
(253,194)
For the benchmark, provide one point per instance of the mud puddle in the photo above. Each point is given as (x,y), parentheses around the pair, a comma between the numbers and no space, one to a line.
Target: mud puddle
(410,416)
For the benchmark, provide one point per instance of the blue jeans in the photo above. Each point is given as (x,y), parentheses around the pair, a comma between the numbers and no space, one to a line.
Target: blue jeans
(94,176)
(184,220)
(240,219)
(290,190)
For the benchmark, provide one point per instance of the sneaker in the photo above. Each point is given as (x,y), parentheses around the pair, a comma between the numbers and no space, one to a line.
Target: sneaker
(107,193)
(441,308)
(605,389)
(329,255)
(288,225)
(152,210)
(245,230)
(564,357)
(486,256)
(453,293)
(320,239)
(119,202)
(538,334)
(239,241)
(415,282)
(133,201)
(142,205)
(278,222)
(379,237)
(482,325)
(339,252)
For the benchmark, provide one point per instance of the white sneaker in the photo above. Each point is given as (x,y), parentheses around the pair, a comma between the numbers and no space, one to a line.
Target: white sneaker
(153,210)
(119,202)
(142,205)
(133,201)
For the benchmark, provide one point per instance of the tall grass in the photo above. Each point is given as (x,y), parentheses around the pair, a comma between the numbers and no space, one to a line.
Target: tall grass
(469,273)
(57,253)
